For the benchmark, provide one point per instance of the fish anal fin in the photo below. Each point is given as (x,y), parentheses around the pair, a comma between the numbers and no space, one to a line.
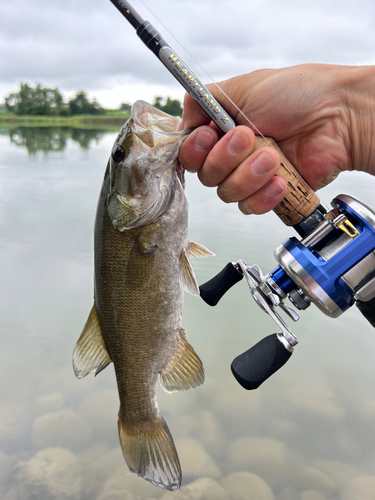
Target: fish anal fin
(184,370)
(149,451)
(188,279)
(198,250)
(90,353)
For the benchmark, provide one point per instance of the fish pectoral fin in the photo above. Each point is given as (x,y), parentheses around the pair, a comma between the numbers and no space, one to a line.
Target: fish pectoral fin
(198,250)
(149,451)
(184,370)
(188,280)
(90,353)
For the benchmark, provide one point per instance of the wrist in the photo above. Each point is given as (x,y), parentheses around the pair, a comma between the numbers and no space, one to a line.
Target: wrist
(357,90)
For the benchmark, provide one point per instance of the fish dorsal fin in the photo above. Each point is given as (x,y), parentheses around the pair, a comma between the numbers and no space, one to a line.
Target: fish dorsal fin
(90,353)
(184,370)
(188,279)
(198,250)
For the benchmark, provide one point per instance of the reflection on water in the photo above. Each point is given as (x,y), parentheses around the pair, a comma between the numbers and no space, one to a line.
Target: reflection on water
(306,434)
(46,139)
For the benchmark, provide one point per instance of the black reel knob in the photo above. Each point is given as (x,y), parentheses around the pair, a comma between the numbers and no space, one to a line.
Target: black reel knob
(257,364)
(368,310)
(212,291)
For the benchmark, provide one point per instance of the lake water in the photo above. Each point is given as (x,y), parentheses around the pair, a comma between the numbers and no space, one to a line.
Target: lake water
(308,433)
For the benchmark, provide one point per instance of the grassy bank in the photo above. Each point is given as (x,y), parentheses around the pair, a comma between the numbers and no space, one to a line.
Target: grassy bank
(112,119)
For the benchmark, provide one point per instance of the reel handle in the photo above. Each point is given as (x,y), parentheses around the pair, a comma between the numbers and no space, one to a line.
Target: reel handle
(300,200)
(258,363)
(368,310)
(212,291)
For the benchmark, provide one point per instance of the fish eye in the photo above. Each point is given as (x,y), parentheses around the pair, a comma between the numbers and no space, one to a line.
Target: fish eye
(118,153)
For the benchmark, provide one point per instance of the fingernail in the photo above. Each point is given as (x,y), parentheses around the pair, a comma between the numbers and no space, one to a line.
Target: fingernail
(274,189)
(262,164)
(204,140)
(237,143)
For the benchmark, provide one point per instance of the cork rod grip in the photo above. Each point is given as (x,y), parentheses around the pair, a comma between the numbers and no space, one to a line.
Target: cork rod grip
(300,200)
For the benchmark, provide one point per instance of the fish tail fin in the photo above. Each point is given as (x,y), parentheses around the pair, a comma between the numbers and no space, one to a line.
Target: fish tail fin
(150,452)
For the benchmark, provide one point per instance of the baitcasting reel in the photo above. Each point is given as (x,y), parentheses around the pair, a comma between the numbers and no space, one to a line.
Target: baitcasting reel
(333,267)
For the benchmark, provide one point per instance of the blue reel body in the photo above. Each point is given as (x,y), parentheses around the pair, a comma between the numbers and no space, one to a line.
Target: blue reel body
(318,264)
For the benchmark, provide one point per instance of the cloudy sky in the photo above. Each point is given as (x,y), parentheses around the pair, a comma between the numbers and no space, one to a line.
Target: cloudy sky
(88,45)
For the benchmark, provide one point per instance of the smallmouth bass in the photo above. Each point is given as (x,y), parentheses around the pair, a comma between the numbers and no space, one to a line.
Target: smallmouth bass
(141,271)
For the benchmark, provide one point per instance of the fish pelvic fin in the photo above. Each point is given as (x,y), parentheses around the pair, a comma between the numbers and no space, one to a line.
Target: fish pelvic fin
(149,451)
(198,250)
(188,280)
(90,353)
(184,370)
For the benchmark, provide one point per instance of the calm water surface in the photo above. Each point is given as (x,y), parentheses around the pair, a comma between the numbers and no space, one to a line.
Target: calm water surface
(307,434)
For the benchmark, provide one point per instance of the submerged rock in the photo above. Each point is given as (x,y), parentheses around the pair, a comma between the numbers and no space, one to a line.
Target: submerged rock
(312,495)
(6,473)
(235,410)
(100,411)
(359,488)
(51,474)
(264,456)
(99,465)
(122,481)
(62,428)
(209,433)
(245,486)
(315,400)
(49,402)
(205,488)
(195,461)
(14,428)
(288,493)
(341,474)
(309,478)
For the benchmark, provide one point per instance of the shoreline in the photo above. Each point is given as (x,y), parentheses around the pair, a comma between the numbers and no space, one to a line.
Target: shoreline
(9,120)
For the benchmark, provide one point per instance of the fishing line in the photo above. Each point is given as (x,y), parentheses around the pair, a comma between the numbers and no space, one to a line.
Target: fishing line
(252,125)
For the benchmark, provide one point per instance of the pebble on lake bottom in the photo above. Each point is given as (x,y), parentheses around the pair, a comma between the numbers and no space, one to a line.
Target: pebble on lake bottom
(53,474)
(316,401)
(48,403)
(341,474)
(245,486)
(195,461)
(122,480)
(14,427)
(63,428)
(264,456)
(204,488)
(312,495)
(359,488)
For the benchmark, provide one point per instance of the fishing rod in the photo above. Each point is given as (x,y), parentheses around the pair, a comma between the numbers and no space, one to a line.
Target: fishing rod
(331,266)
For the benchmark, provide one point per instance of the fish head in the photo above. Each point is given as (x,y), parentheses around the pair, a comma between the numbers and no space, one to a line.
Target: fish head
(143,167)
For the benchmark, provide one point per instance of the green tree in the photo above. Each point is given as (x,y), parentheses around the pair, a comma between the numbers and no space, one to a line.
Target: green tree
(172,106)
(80,104)
(35,101)
(125,107)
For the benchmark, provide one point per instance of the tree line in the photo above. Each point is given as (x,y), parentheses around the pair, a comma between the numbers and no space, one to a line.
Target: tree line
(44,101)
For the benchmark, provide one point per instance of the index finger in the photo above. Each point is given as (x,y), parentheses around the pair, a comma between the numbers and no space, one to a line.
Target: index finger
(193,115)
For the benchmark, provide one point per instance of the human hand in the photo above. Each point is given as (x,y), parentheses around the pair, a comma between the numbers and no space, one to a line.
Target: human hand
(320,115)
